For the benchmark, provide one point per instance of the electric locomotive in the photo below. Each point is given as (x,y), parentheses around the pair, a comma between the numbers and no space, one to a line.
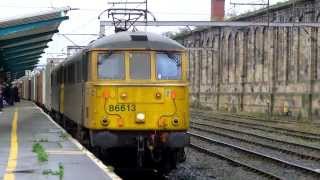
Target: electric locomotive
(127,92)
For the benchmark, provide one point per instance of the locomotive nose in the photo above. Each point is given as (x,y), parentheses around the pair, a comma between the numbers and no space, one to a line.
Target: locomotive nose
(129,107)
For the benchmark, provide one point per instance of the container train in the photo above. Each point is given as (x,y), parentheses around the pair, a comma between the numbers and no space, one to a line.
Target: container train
(124,96)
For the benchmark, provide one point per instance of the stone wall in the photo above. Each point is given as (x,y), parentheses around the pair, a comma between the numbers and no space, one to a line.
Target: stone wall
(270,70)
(256,69)
(290,11)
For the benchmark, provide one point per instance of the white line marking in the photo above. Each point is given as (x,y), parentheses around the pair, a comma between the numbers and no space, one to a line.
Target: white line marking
(103,167)
(67,152)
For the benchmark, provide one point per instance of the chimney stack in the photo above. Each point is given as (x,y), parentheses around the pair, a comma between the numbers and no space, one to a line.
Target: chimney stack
(217,10)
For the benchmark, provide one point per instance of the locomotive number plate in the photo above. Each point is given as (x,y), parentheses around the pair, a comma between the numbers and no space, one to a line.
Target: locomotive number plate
(122,107)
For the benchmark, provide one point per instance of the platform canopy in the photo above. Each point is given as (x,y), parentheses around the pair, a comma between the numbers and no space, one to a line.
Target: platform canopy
(23,39)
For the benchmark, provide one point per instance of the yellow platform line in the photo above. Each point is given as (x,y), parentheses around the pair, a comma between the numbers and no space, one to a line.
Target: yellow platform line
(13,155)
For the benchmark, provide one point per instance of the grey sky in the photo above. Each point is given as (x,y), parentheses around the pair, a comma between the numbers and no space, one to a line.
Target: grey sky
(86,20)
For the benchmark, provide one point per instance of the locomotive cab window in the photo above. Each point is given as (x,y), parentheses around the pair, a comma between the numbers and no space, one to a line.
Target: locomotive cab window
(140,66)
(168,66)
(111,66)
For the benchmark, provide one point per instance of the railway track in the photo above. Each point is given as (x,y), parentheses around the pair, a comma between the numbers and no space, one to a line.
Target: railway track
(282,150)
(261,127)
(303,151)
(263,164)
(252,117)
(259,119)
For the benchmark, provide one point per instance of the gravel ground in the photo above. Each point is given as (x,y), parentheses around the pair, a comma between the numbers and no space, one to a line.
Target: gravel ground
(200,166)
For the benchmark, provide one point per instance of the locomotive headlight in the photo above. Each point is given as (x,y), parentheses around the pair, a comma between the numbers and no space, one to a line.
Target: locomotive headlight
(140,117)
(123,95)
(158,95)
(105,121)
(175,121)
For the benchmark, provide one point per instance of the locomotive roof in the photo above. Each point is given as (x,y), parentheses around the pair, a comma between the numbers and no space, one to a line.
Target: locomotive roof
(136,40)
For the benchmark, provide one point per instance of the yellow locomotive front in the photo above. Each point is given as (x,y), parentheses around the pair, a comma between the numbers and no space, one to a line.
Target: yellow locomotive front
(137,97)
(138,90)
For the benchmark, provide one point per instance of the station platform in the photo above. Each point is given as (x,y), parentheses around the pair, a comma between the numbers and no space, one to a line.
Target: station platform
(25,125)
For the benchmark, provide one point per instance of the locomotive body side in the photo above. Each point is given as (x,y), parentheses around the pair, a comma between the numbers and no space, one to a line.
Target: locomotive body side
(72,91)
